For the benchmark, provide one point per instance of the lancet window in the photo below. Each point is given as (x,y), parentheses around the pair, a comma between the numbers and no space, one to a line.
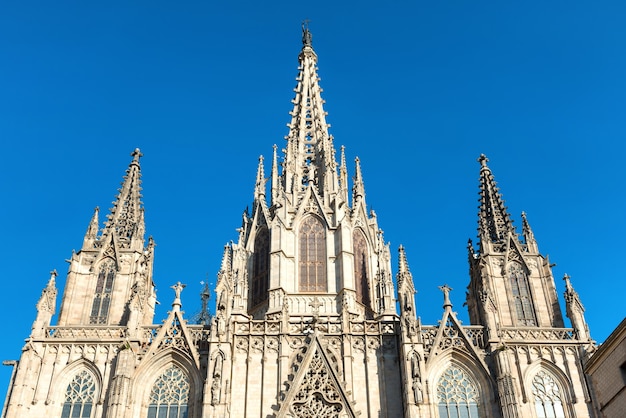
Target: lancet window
(169,397)
(361,268)
(548,396)
(102,297)
(260,268)
(521,295)
(312,262)
(457,394)
(79,396)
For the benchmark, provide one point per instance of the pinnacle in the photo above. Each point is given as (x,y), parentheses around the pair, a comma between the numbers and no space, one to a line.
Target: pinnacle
(403,265)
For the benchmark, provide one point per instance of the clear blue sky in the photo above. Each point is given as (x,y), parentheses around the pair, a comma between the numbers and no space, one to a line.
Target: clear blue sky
(417,90)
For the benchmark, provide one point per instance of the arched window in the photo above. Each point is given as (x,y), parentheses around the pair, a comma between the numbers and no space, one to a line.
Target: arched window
(361,268)
(548,397)
(457,394)
(260,268)
(312,256)
(102,297)
(521,295)
(169,396)
(79,396)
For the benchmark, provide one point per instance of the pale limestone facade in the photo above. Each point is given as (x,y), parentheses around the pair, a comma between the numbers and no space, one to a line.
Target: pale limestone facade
(309,321)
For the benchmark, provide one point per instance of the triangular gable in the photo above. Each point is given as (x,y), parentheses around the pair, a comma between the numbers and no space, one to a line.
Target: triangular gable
(110,250)
(311,203)
(315,390)
(174,334)
(513,254)
(451,335)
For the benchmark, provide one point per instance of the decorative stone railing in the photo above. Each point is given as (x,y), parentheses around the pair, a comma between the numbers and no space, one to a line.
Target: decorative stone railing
(536,334)
(304,325)
(86,333)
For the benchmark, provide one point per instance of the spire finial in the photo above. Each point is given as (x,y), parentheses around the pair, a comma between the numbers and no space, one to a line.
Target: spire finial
(136,154)
(483,160)
(260,180)
(307,38)
(446,296)
(178,287)
(568,283)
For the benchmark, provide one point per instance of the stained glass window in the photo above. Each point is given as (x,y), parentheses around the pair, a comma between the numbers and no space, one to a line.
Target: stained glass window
(361,268)
(102,297)
(169,396)
(457,394)
(521,295)
(79,396)
(548,397)
(312,256)
(260,271)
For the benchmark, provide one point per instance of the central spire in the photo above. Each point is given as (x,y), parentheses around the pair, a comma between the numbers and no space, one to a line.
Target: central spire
(309,155)
(494,221)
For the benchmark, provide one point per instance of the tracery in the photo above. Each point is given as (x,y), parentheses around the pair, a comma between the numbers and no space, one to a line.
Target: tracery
(169,396)
(79,396)
(457,394)
(102,296)
(312,256)
(548,397)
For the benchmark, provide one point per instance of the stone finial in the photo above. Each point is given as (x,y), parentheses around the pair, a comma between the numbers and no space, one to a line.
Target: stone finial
(446,296)
(136,154)
(178,288)
(307,38)
(483,160)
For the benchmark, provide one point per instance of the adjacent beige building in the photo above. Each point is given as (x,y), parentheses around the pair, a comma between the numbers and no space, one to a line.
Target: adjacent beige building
(310,319)
(607,371)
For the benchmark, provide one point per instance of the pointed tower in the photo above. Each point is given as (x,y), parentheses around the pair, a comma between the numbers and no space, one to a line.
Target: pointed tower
(310,241)
(114,267)
(511,282)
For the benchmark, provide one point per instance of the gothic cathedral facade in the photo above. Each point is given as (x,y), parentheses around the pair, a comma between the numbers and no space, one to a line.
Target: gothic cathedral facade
(309,321)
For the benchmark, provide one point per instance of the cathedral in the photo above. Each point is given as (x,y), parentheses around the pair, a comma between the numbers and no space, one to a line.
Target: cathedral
(310,319)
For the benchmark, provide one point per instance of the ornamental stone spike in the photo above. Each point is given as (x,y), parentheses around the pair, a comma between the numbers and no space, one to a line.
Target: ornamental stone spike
(529,236)
(92,230)
(259,189)
(275,180)
(358,189)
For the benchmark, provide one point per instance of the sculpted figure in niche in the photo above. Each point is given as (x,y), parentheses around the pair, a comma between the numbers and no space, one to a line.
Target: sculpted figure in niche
(417,380)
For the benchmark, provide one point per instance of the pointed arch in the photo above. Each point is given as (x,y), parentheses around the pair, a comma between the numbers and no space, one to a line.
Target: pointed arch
(169,383)
(548,396)
(457,394)
(521,295)
(80,396)
(312,255)
(78,388)
(361,268)
(550,389)
(448,373)
(102,294)
(260,267)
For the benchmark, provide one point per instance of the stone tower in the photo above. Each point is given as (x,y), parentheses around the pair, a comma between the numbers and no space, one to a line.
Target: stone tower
(308,319)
